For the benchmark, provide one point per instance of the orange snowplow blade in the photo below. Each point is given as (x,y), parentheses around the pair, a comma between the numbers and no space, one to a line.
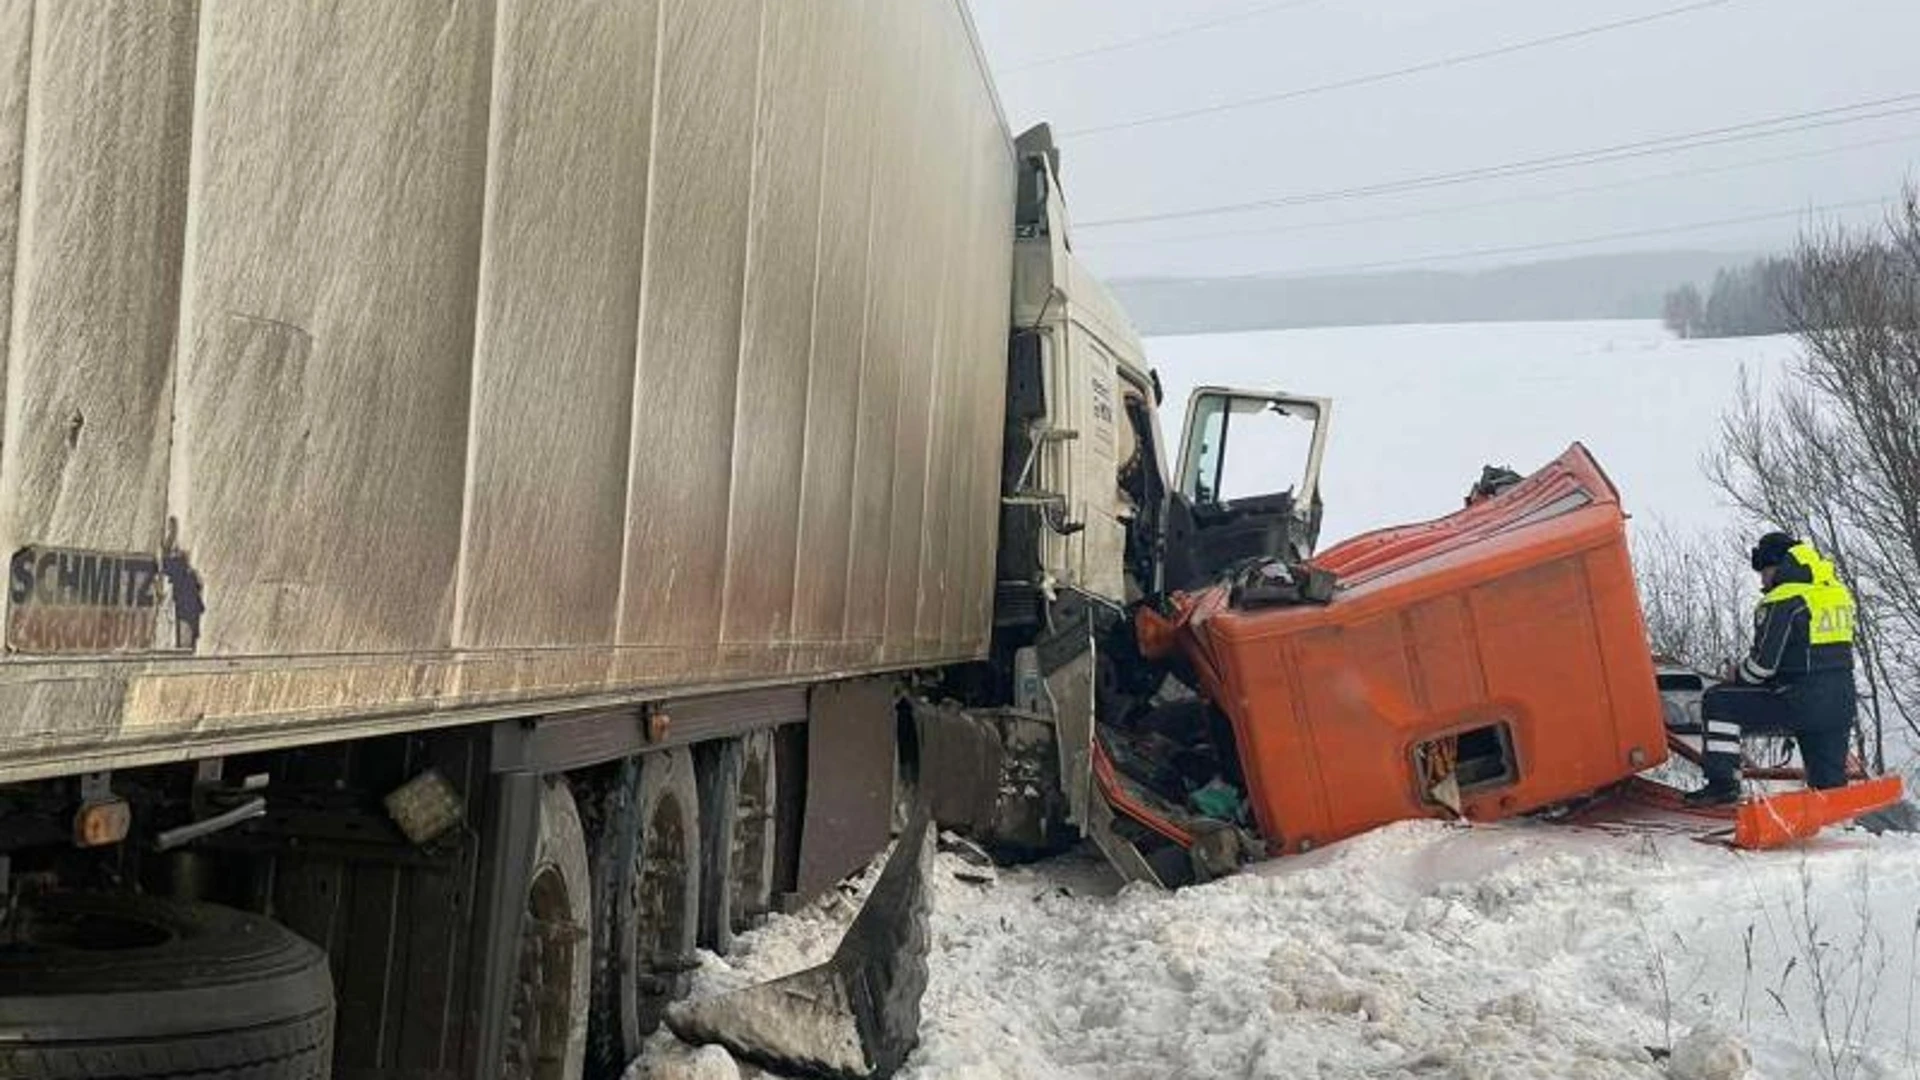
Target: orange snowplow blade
(1777,820)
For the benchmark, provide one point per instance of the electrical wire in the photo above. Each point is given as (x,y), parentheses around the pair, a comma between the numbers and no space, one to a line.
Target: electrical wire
(1549,245)
(1460,208)
(1395,73)
(1148,39)
(1770,127)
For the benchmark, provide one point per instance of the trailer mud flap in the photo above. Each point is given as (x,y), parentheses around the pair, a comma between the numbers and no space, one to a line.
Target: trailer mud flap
(856,1016)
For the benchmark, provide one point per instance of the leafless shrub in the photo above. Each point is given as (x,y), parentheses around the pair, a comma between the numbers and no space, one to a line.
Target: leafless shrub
(1746,979)
(1657,969)
(1843,976)
(1695,596)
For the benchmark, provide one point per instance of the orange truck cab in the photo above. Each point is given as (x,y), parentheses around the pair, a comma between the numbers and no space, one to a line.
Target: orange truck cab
(1488,664)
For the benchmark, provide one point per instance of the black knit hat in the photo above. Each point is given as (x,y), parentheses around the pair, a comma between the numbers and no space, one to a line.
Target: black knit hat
(1772,550)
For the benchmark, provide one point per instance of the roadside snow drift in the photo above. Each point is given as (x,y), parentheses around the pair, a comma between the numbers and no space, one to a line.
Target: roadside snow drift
(1420,950)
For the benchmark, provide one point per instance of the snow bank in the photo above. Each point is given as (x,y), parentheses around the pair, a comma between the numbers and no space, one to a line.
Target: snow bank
(1421,950)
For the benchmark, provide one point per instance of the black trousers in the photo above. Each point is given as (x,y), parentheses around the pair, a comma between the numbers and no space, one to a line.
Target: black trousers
(1817,710)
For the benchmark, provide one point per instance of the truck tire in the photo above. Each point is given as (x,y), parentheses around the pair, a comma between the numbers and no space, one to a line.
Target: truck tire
(660,900)
(547,1024)
(737,814)
(646,855)
(109,985)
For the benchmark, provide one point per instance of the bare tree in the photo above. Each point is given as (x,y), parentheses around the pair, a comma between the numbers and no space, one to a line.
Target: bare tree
(1694,596)
(1834,455)
(1682,311)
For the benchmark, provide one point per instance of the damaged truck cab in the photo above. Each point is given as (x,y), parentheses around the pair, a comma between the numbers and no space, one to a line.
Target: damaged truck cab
(1177,677)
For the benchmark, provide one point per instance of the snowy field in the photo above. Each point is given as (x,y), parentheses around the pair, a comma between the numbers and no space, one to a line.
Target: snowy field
(1421,950)
(1430,951)
(1419,409)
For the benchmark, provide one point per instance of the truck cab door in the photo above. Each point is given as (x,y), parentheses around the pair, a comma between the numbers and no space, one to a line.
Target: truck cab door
(1248,482)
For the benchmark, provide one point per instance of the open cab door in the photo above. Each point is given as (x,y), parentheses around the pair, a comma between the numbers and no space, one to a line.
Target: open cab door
(1248,481)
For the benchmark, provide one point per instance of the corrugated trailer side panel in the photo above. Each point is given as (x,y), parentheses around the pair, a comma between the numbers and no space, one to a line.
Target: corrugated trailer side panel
(913,435)
(840,325)
(84,457)
(690,328)
(947,316)
(326,352)
(986,338)
(967,612)
(559,284)
(892,115)
(95,115)
(777,347)
(478,381)
(16,50)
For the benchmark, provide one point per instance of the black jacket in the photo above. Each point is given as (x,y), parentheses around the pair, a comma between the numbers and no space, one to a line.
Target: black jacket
(1783,649)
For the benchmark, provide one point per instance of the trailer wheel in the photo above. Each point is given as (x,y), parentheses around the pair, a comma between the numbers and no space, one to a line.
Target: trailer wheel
(547,1027)
(646,860)
(109,985)
(737,814)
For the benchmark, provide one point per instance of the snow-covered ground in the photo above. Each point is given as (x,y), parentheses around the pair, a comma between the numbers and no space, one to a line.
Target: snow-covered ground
(1419,409)
(1422,950)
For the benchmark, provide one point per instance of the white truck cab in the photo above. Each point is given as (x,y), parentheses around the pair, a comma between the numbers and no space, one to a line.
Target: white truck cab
(1093,520)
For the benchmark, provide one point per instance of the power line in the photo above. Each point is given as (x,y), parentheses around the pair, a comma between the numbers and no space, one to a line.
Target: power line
(1148,39)
(1396,73)
(1604,155)
(1545,196)
(1770,127)
(1550,245)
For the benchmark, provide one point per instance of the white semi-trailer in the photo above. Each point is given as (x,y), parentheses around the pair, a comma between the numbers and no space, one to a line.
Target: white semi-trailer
(476,479)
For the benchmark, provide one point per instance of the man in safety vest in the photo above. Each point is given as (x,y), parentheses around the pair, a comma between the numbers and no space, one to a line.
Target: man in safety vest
(1798,678)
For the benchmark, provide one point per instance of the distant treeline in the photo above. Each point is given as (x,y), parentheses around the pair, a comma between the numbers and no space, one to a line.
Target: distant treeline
(1742,302)
(1627,285)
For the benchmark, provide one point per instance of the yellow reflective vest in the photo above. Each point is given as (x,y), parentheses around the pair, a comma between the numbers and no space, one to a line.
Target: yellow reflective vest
(1803,625)
(1830,607)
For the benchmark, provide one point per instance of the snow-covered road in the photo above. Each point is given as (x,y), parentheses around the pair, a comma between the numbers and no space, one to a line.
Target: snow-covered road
(1421,950)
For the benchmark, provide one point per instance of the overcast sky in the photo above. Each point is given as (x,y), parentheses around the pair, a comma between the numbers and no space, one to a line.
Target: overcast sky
(1723,64)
